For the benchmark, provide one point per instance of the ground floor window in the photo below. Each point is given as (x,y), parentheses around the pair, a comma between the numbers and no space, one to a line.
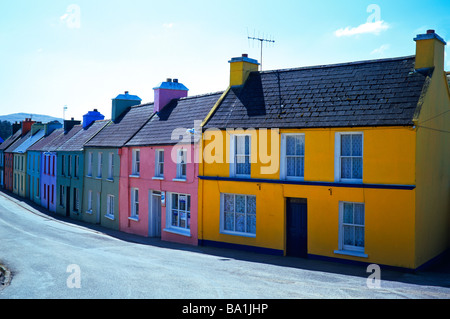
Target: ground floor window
(179,212)
(238,214)
(352,226)
(110,206)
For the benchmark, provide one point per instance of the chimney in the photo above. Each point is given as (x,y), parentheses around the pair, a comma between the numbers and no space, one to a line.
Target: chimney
(92,116)
(69,124)
(51,126)
(37,126)
(121,103)
(26,126)
(430,51)
(15,127)
(240,69)
(167,91)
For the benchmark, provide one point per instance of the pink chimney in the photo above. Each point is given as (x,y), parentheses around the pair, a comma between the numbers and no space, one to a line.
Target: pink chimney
(167,91)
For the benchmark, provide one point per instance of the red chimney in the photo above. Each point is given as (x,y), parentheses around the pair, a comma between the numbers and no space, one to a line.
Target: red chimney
(26,126)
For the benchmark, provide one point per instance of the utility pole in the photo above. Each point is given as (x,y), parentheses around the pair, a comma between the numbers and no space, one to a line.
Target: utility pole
(261,42)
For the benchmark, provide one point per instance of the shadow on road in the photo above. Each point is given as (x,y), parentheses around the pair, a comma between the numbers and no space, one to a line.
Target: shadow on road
(437,274)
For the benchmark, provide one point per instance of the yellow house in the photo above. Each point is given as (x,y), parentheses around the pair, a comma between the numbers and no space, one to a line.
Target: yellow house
(347,161)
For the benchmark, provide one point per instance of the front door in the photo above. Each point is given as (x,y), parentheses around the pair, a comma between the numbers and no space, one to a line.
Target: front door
(154,227)
(296,227)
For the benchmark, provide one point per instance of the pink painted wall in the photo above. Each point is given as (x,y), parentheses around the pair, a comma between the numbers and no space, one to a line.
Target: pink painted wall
(145,183)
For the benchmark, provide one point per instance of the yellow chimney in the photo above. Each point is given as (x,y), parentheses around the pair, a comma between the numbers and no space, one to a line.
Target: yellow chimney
(240,69)
(430,51)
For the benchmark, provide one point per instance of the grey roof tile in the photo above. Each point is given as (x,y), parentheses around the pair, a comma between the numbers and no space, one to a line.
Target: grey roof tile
(77,142)
(366,93)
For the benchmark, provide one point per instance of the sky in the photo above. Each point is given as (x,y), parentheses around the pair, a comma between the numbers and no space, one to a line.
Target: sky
(81,54)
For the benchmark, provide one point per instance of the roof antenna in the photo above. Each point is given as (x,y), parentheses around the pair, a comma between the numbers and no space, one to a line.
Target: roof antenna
(261,42)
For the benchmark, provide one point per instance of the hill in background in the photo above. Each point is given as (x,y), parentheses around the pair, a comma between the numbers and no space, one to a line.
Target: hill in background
(18,117)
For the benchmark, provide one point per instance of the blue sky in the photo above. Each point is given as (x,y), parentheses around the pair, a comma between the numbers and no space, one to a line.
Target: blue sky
(84,53)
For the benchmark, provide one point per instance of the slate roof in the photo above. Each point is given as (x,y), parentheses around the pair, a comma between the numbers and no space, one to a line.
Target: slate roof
(116,134)
(61,138)
(43,143)
(178,114)
(29,140)
(76,143)
(365,93)
(10,140)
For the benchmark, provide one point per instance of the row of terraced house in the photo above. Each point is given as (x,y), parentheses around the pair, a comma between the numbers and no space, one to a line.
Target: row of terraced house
(346,162)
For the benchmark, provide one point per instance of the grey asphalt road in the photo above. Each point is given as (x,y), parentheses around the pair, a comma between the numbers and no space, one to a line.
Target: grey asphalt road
(56,258)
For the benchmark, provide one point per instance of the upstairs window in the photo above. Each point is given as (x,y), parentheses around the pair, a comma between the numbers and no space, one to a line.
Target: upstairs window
(181,163)
(349,157)
(159,163)
(99,165)
(136,162)
(292,156)
(240,152)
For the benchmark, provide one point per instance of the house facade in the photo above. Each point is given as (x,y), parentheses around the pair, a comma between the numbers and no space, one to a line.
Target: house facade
(102,160)
(330,161)
(159,168)
(16,133)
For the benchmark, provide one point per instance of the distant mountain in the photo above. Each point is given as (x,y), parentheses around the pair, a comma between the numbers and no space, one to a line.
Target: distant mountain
(19,117)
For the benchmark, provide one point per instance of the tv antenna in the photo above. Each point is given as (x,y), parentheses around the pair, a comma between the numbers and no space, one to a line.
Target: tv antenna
(64,112)
(261,40)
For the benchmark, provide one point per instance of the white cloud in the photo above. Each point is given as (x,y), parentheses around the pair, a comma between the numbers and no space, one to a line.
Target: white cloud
(368,27)
(380,50)
(168,25)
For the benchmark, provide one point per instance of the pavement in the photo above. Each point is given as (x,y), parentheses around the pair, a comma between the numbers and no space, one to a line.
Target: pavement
(437,274)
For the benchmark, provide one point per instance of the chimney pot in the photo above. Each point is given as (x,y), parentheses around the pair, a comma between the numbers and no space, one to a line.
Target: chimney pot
(431,31)
(126,92)
(169,80)
(175,80)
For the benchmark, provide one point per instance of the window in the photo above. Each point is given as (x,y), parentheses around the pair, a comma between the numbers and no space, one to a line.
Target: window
(179,211)
(99,164)
(69,171)
(135,203)
(111,166)
(38,187)
(349,161)
(181,163)
(110,206)
(89,202)
(293,156)
(54,166)
(159,163)
(45,164)
(63,165)
(351,224)
(240,152)
(90,160)
(53,194)
(61,195)
(238,214)
(136,162)
(76,200)
(77,165)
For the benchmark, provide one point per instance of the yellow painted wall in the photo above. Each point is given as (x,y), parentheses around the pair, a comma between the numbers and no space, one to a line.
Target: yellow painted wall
(433,171)
(388,158)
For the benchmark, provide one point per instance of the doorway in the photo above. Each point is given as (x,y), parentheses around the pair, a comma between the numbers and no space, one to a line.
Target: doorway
(154,214)
(296,227)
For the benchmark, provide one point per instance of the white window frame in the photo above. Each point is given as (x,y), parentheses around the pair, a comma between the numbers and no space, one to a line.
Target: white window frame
(222,215)
(76,199)
(337,158)
(352,250)
(76,166)
(110,202)
(159,164)
(111,166)
(134,212)
(90,162)
(89,202)
(136,162)
(181,154)
(99,164)
(186,231)
(283,164)
(233,155)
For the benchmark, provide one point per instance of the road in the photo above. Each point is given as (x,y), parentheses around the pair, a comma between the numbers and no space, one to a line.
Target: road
(54,258)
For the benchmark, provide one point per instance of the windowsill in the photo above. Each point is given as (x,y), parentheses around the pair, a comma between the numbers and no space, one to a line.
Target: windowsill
(291,178)
(109,216)
(227,232)
(350,181)
(158,177)
(134,175)
(89,212)
(90,176)
(110,179)
(136,219)
(178,231)
(351,253)
(179,179)
(98,177)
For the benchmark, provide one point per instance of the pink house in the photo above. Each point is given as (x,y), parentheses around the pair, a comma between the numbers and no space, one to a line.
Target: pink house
(158,182)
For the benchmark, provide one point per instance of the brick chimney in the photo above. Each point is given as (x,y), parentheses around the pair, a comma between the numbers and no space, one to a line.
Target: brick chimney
(123,102)
(69,124)
(430,51)
(240,69)
(92,116)
(26,126)
(167,91)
